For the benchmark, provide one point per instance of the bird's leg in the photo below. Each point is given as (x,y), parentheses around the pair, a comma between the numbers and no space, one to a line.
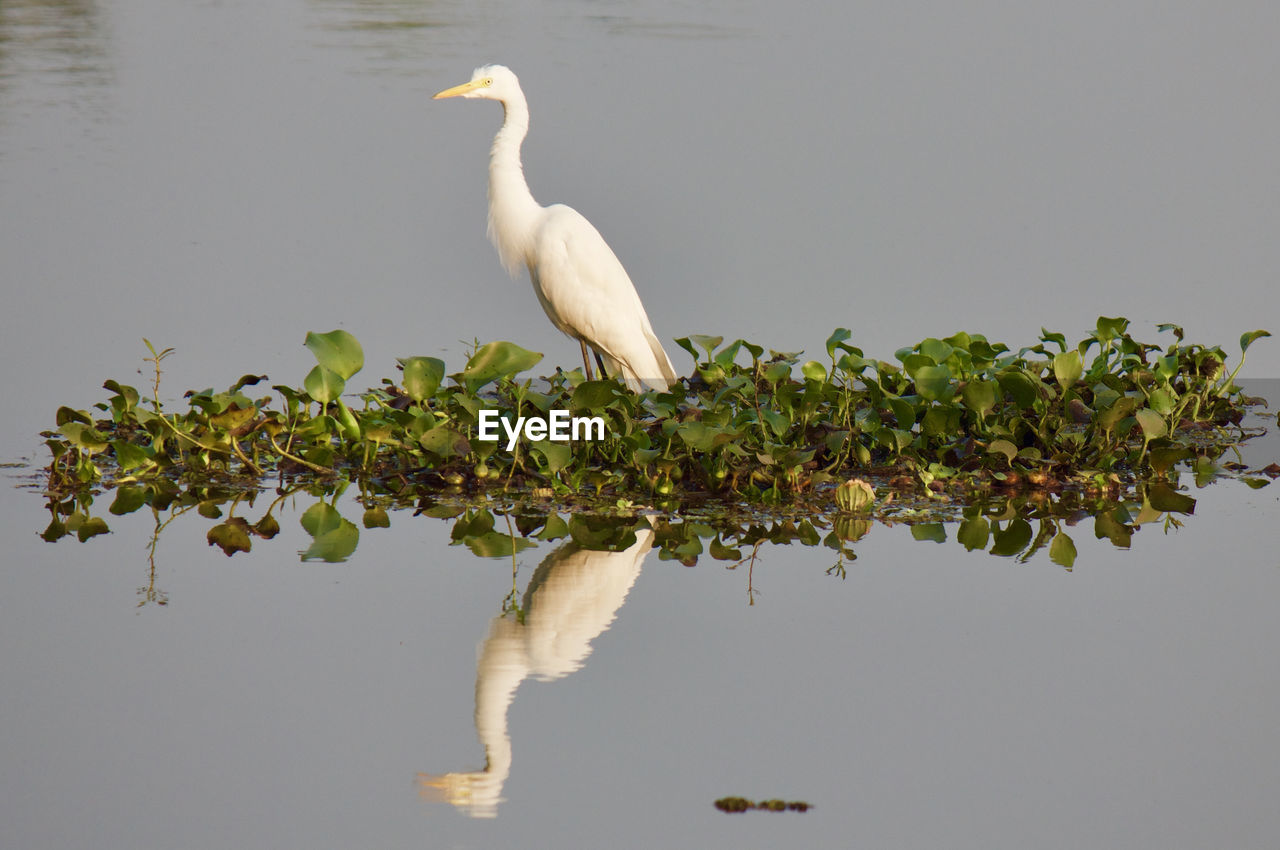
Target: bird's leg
(586,364)
(603,372)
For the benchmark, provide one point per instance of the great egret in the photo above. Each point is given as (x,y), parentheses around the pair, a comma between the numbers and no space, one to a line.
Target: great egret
(579,281)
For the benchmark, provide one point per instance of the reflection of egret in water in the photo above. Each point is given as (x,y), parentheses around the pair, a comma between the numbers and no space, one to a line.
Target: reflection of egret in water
(572,598)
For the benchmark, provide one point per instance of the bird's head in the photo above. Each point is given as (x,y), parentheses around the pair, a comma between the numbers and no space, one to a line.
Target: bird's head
(492,82)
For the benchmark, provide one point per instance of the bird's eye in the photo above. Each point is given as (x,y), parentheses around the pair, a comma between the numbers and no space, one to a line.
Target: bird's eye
(488,81)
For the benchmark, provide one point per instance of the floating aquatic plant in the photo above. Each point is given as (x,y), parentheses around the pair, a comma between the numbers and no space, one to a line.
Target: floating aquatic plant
(945,418)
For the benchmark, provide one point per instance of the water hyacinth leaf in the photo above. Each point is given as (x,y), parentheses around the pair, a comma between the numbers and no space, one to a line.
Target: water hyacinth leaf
(979,396)
(940,420)
(129,456)
(91,527)
(973,533)
(594,395)
(601,533)
(814,371)
(445,442)
(267,527)
(337,351)
(235,417)
(700,437)
(1011,539)
(904,412)
(83,437)
(422,377)
(495,360)
(1067,368)
(66,414)
(1162,458)
(324,385)
(557,455)
(494,544)
(914,361)
(836,340)
(936,350)
(855,496)
(777,422)
(1106,525)
(376,517)
(1057,339)
(1020,388)
(706,343)
(1247,339)
(1062,551)
(334,536)
(1122,407)
(554,528)
(1003,447)
(1164,498)
(1152,424)
(128,499)
(1109,329)
(1161,402)
(929,531)
(231,536)
(933,383)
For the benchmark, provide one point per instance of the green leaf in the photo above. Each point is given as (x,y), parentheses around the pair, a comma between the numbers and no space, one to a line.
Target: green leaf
(235,416)
(1020,387)
(1067,368)
(1003,447)
(980,396)
(554,528)
(929,531)
(1162,497)
(129,456)
(936,350)
(1106,525)
(1012,539)
(1109,329)
(91,527)
(445,442)
(1062,551)
(1247,339)
(814,371)
(324,385)
(128,499)
(594,395)
(231,536)
(422,376)
(376,517)
(836,340)
(973,533)
(707,343)
(494,544)
(337,351)
(933,383)
(495,360)
(83,437)
(558,455)
(334,537)
(1152,424)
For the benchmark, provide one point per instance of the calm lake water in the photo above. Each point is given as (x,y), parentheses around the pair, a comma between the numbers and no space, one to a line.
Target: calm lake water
(223,177)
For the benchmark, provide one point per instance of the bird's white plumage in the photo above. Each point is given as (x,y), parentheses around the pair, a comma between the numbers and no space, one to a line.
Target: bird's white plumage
(578,279)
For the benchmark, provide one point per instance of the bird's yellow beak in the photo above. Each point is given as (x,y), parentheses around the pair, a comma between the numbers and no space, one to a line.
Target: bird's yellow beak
(462,89)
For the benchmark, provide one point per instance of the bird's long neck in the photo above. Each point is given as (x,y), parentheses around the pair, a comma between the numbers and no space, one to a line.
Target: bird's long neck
(512,209)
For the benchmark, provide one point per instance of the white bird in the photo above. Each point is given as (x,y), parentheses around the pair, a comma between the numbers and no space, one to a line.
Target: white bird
(579,281)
